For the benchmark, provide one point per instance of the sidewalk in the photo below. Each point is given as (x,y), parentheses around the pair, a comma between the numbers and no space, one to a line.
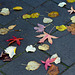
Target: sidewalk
(64,46)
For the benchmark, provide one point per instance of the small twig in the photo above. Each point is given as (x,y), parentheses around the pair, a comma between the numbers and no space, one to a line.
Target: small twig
(41,15)
(51,29)
(64,34)
(23,64)
(47,25)
(15,30)
(46,12)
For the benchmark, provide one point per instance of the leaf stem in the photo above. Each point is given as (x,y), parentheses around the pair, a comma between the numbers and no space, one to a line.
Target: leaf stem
(64,34)
(51,29)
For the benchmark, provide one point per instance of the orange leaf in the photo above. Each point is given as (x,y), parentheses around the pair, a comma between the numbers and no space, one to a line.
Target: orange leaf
(53,14)
(71,29)
(53,70)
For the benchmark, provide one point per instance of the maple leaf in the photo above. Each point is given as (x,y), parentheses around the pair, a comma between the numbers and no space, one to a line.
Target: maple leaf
(15,39)
(46,36)
(40,28)
(47,62)
(53,70)
(72,10)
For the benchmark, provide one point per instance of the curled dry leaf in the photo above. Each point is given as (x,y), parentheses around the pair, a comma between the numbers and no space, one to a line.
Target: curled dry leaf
(71,29)
(53,14)
(43,47)
(3,31)
(5,11)
(57,60)
(11,50)
(73,19)
(11,27)
(47,20)
(61,4)
(17,8)
(53,70)
(5,57)
(30,48)
(32,65)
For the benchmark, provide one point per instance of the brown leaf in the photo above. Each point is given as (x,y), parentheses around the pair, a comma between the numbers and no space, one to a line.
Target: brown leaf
(71,29)
(53,70)
(53,14)
(5,57)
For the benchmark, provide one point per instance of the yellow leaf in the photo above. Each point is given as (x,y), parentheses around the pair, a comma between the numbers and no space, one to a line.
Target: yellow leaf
(25,16)
(11,27)
(35,15)
(61,28)
(70,1)
(43,47)
(53,14)
(17,8)
(32,65)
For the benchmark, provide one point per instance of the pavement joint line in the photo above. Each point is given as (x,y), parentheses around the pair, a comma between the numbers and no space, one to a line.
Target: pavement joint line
(27,3)
(2,72)
(67,69)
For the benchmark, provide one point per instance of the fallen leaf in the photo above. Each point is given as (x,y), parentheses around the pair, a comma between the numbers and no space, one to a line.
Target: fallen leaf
(17,8)
(11,50)
(30,48)
(5,11)
(35,15)
(61,28)
(15,39)
(3,31)
(43,47)
(53,70)
(48,62)
(11,27)
(32,65)
(72,10)
(53,14)
(46,36)
(70,1)
(25,16)
(40,28)
(73,19)
(61,4)
(57,60)
(5,57)
(47,20)
(71,29)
